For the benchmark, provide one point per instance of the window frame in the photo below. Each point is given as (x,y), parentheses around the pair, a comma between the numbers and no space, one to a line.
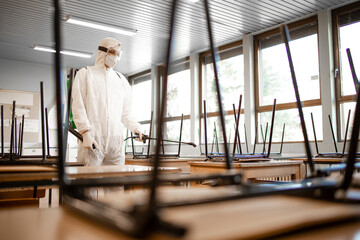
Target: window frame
(288,105)
(336,58)
(133,78)
(181,64)
(224,48)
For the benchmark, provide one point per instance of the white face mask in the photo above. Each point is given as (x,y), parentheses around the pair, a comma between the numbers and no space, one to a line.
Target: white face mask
(111,60)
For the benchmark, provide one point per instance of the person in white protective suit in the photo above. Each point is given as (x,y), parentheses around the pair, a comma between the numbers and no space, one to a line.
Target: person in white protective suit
(101,106)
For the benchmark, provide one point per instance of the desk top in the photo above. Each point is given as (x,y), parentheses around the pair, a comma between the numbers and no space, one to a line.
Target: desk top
(236,219)
(114,170)
(244,164)
(163,160)
(321,160)
(26,168)
(28,173)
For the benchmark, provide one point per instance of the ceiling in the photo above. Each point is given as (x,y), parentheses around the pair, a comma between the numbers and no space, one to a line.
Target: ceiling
(27,22)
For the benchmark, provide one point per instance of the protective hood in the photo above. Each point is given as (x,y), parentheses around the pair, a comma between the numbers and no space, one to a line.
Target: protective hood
(108,43)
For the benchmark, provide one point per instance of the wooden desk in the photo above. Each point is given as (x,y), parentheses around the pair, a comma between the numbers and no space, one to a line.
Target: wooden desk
(321,160)
(31,173)
(181,163)
(236,219)
(275,170)
(114,170)
(28,173)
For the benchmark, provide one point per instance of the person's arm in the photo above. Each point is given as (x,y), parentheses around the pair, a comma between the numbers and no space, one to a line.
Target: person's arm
(78,105)
(127,117)
(79,109)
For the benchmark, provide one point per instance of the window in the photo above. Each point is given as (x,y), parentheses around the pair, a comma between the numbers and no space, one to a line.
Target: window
(141,101)
(273,80)
(178,100)
(346,22)
(231,79)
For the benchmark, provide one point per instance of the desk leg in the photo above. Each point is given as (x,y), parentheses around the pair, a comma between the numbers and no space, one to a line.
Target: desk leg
(35,192)
(50,197)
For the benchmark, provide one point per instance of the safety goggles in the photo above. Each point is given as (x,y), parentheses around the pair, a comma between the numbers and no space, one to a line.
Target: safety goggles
(111,51)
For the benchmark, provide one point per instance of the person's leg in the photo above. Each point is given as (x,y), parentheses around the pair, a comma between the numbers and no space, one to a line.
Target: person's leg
(91,158)
(115,158)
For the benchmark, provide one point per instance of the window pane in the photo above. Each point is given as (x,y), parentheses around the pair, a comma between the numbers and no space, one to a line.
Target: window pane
(293,131)
(231,77)
(172,131)
(344,111)
(274,72)
(347,39)
(179,94)
(141,100)
(214,129)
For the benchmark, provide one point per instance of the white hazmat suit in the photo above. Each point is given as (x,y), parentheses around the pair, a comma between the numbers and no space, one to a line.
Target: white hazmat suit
(101,106)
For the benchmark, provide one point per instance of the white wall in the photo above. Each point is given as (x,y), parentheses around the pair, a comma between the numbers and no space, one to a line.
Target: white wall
(25,76)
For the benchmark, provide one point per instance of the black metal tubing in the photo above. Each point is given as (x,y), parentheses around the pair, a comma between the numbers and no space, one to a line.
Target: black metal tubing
(282,138)
(163,140)
(336,168)
(256,133)
(333,134)
(229,143)
(150,132)
(160,120)
(141,155)
(266,133)
(12,158)
(75,133)
(162,147)
(61,115)
(213,140)
(234,110)
(303,189)
(237,119)
(353,72)
(271,128)
(246,140)
(346,131)
(132,144)
(19,140)
(286,37)
(237,134)
(22,135)
(214,58)
(267,155)
(263,137)
(315,138)
(205,130)
(15,151)
(42,109)
(181,127)
(2,132)
(216,138)
(353,146)
(47,132)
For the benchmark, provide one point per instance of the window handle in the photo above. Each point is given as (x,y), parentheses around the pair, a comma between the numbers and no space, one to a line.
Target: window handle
(336,72)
